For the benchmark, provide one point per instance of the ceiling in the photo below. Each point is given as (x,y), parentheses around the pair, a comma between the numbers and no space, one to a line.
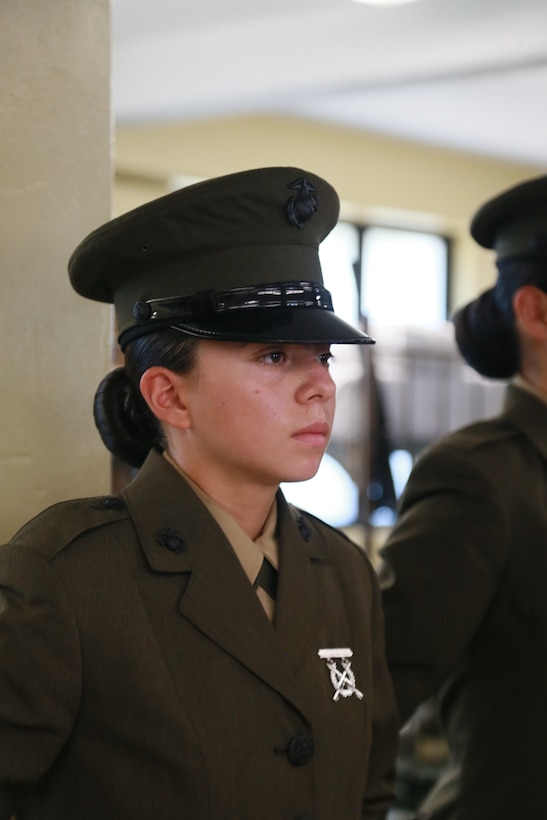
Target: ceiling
(469,75)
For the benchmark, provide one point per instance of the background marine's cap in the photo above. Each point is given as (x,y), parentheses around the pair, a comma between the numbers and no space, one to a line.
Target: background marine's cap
(232,258)
(514,223)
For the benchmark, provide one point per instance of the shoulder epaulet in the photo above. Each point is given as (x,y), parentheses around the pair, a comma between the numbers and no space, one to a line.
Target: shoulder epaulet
(53,529)
(481,434)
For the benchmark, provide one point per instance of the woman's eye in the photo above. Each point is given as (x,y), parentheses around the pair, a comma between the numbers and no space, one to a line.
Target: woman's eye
(274,356)
(325,358)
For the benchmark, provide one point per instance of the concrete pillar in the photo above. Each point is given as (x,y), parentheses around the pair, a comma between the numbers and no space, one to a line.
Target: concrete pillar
(55,179)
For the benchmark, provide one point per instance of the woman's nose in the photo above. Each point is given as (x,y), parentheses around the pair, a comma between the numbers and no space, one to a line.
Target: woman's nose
(317,383)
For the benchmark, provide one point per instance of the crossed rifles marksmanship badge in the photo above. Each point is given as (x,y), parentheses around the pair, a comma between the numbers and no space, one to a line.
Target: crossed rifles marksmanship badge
(342,679)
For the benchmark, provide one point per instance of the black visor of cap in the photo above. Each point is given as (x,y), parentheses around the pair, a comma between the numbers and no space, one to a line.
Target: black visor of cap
(288,312)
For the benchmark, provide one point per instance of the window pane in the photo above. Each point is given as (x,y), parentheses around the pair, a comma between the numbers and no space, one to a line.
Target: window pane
(339,253)
(404,278)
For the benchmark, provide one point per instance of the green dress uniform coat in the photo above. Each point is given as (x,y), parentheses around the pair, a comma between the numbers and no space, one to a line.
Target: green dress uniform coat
(140,677)
(466,610)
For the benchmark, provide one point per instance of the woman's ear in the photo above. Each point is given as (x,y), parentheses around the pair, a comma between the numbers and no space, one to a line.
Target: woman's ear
(162,390)
(530,309)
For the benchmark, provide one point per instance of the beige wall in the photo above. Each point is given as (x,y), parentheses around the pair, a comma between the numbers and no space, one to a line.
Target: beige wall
(381,179)
(55,174)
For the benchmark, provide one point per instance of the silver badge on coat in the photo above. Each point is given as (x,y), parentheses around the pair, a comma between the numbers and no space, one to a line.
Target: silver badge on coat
(343,677)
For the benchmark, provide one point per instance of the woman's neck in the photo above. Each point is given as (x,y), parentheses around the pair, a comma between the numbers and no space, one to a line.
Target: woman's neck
(249,504)
(534,367)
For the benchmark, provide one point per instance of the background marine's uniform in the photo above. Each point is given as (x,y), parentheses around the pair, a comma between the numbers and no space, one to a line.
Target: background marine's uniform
(466,610)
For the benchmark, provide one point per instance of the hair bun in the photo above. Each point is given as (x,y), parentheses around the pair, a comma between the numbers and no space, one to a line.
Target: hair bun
(126,426)
(484,340)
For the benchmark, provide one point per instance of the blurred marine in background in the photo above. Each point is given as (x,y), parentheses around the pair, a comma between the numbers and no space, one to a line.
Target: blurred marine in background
(465,568)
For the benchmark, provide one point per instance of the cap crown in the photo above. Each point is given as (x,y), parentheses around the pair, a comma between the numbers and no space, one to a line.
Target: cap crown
(515,222)
(256,227)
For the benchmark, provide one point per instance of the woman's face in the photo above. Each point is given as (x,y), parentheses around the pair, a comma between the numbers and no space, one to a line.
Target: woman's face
(259,413)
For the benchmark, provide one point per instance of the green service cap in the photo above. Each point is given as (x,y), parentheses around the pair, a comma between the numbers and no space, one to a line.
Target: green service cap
(232,258)
(514,223)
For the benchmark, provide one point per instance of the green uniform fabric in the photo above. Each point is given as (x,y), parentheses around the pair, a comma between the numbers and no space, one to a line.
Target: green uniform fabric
(140,677)
(466,610)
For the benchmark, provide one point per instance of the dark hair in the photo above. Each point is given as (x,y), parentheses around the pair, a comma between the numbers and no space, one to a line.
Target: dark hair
(125,423)
(485,328)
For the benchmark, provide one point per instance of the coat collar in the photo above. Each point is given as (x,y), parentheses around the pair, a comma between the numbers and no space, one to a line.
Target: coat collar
(219,600)
(529,414)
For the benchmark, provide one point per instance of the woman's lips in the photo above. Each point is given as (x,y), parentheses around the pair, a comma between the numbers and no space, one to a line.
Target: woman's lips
(316,434)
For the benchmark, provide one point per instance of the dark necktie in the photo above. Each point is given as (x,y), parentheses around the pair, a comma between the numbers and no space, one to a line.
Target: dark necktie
(266,587)
(267,579)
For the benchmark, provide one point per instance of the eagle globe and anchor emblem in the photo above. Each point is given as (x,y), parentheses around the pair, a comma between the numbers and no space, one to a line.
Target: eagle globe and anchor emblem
(342,679)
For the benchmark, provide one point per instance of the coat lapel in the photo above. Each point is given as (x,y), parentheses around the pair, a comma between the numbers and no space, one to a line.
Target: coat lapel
(299,606)
(219,600)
